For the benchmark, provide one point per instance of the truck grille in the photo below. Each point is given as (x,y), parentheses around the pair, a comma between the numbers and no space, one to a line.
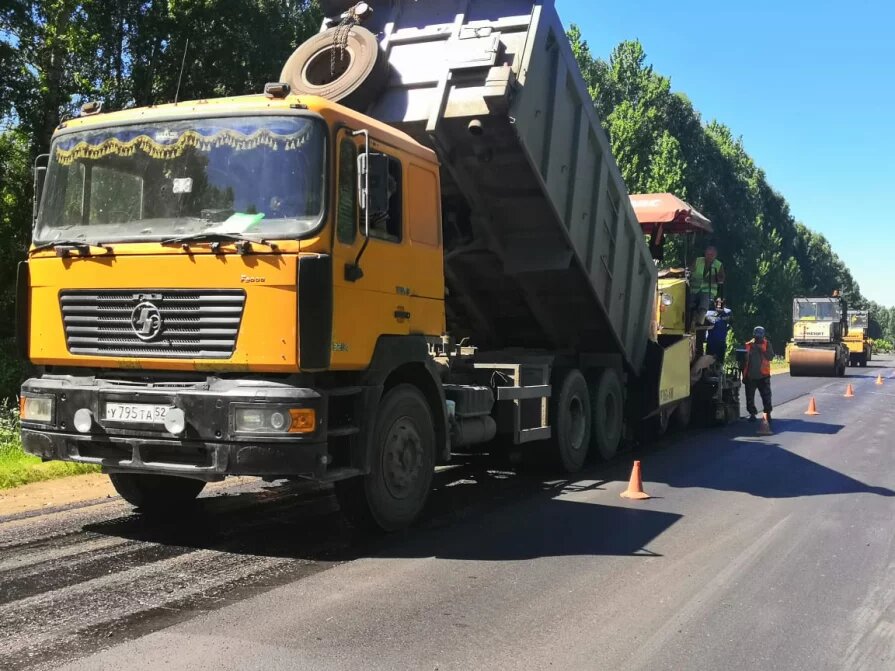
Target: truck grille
(153,323)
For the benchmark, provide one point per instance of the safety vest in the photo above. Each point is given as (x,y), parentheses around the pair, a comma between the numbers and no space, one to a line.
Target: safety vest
(702,282)
(765,364)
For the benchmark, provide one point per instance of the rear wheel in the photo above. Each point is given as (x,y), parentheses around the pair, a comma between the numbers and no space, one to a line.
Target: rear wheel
(394,493)
(156,493)
(570,417)
(680,419)
(661,421)
(607,413)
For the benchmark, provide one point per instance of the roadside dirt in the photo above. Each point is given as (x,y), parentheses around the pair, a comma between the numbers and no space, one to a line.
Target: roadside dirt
(72,490)
(54,493)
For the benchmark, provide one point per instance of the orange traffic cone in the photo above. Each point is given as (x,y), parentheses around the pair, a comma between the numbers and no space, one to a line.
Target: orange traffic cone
(812,407)
(879,379)
(635,485)
(849,392)
(764,429)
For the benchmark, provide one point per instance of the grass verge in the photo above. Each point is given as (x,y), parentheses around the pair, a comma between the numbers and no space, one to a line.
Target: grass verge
(779,365)
(18,468)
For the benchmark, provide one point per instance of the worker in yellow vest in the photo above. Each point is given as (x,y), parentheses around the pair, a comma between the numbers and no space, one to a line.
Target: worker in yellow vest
(706,285)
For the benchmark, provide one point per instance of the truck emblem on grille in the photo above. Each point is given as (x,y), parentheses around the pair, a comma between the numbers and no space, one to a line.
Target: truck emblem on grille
(146,321)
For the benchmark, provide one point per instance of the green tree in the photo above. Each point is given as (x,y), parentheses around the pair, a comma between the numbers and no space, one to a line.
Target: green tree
(55,54)
(661,143)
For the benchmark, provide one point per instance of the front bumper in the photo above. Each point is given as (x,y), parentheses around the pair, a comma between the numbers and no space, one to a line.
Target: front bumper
(209,448)
(206,461)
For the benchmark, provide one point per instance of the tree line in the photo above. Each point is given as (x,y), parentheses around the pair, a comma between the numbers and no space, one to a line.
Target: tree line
(662,144)
(57,54)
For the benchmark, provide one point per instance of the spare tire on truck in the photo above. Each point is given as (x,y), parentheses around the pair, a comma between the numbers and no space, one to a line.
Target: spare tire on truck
(353,76)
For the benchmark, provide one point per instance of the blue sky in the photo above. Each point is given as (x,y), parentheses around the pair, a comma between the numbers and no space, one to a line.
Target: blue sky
(810,86)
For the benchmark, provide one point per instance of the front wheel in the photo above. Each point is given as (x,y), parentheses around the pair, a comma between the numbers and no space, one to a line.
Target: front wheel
(156,493)
(392,495)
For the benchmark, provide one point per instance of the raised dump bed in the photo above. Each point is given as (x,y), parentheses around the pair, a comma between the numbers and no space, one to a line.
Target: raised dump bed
(542,248)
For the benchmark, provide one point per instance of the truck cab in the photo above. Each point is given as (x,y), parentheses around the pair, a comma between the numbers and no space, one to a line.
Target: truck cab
(192,279)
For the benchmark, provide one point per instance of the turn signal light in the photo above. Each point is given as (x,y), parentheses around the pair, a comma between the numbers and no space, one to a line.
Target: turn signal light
(304,420)
(260,418)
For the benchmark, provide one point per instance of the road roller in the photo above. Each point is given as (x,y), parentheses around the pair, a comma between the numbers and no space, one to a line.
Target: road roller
(860,346)
(819,327)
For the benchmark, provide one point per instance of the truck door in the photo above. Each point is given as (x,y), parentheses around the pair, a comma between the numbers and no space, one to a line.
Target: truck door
(423,225)
(379,302)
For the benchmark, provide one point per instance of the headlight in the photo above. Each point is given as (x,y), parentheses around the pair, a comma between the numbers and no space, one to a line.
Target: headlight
(667,300)
(37,409)
(273,419)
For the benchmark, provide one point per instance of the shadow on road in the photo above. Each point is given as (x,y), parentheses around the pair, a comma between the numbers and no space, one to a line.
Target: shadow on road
(555,527)
(479,511)
(756,467)
(804,426)
(475,512)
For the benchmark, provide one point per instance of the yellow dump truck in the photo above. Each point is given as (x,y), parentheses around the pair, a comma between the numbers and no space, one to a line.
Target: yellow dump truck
(416,241)
(857,340)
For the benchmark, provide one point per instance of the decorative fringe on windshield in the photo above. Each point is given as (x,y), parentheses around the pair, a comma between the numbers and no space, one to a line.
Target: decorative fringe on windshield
(188,140)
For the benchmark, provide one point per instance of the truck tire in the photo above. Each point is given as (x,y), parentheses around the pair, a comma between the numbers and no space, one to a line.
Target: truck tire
(393,494)
(361,71)
(660,423)
(680,419)
(570,417)
(156,493)
(607,412)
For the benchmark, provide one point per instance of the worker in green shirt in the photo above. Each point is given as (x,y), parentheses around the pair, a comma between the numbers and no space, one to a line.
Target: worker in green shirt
(706,287)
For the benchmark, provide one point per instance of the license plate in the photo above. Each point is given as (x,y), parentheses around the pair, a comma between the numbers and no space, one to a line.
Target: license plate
(144,413)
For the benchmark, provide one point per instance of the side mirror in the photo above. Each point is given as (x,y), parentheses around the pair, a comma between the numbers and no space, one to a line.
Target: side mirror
(40,174)
(372,196)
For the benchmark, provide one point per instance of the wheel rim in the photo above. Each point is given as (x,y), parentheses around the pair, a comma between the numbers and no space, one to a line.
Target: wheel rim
(577,424)
(402,458)
(318,71)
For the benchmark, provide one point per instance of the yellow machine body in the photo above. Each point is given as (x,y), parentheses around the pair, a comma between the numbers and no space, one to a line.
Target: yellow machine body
(671,308)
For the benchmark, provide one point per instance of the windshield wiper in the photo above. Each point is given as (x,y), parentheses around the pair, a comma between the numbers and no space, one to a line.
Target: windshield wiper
(242,243)
(64,248)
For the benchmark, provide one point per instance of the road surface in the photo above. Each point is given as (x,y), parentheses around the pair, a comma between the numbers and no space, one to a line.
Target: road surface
(754,553)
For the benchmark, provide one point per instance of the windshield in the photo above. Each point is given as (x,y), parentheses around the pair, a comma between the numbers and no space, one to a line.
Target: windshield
(858,320)
(260,176)
(816,310)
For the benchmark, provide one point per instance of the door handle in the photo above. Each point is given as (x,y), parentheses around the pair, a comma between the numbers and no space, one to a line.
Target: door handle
(401,314)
